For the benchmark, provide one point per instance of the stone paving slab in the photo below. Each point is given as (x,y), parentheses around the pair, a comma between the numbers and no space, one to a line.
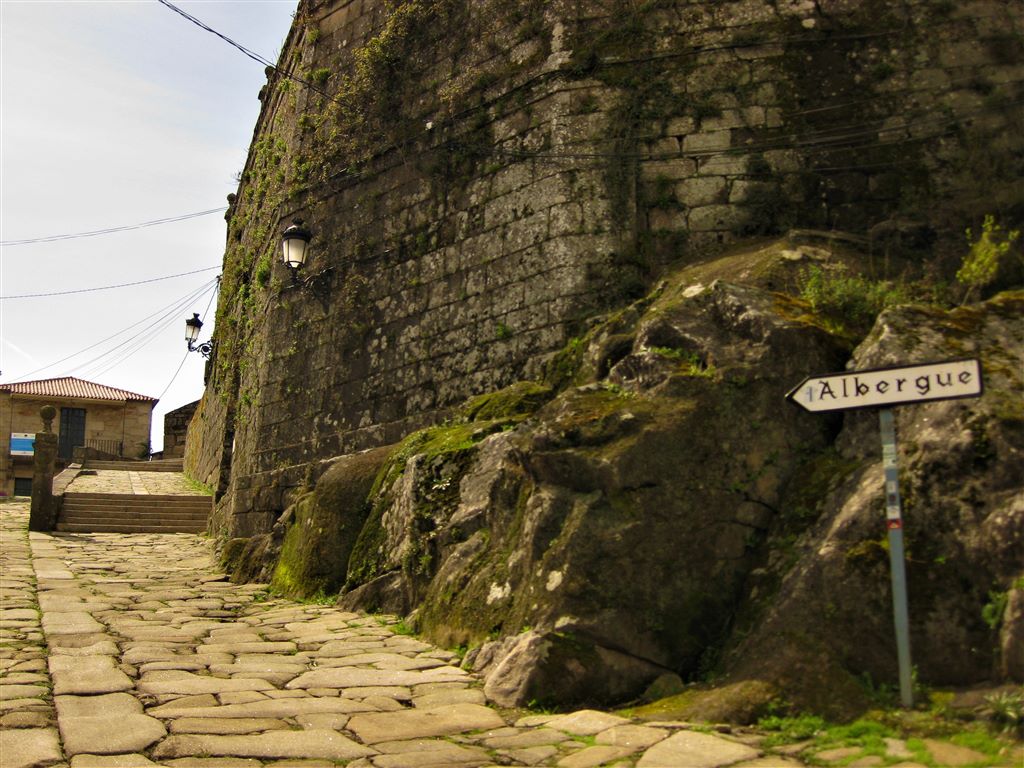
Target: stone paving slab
(107,734)
(696,750)
(29,747)
(443,721)
(309,743)
(228,727)
(421,753)
(87,675)
(111,761)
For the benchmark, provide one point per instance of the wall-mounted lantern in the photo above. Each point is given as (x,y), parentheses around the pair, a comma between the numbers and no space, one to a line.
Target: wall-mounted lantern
(193,326)
(295,247)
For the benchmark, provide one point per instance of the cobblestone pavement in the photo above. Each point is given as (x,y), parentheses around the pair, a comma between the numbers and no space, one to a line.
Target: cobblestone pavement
(141,653)
(121,481)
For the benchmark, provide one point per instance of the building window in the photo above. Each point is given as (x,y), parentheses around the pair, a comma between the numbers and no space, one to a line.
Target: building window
(23,486)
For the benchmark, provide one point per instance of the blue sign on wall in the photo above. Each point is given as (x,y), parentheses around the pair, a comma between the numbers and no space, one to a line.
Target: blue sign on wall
(22,443)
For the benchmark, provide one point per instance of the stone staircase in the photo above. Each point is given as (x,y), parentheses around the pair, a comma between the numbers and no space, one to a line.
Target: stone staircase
(127,513)
(126,465)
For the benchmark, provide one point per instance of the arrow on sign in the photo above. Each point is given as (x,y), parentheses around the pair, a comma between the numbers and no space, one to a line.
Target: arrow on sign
(882,387)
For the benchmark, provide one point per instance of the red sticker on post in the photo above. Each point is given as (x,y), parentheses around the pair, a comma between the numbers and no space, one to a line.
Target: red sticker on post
(895,525)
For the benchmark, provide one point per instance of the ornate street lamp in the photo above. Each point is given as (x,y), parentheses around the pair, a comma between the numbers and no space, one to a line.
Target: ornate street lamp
(192,327)
(295,247)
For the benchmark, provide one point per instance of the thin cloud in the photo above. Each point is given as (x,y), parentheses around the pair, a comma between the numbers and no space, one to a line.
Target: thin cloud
(19,351)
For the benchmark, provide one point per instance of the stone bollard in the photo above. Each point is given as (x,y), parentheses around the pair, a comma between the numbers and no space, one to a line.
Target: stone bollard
(41,517)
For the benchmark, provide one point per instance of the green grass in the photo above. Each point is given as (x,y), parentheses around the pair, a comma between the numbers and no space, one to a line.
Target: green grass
(195,485)
(849,303)
(869,733)
(786,730)
(401,628)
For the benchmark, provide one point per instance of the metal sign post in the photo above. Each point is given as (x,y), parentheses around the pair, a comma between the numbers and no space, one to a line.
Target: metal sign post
(897,561)
(882,388)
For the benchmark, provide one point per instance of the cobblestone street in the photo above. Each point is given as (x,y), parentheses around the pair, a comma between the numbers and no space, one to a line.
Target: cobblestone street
(134,650)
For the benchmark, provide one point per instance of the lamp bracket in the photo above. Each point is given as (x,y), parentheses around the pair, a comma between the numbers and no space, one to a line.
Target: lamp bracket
(205,349)
(319,282)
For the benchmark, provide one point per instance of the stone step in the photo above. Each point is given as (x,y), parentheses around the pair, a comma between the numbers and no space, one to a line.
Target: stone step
(124,521)
(130,528)
(140,503)
(156,511)
(158,508)
(114,504)
(131,517)
(127,499)
(133,513)
(188,522)
(161,496)
(163,465)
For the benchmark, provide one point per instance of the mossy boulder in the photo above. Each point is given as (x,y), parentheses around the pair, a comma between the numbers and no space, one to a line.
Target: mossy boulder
(649,520)
(409,524)
(744,703)
(249,559)
(518,400)
(614,527)
(323,526)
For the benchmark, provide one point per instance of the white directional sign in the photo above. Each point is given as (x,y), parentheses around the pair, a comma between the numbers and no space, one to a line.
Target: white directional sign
(882,387)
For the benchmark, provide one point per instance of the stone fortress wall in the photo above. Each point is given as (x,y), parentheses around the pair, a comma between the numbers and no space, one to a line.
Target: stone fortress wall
(482,176)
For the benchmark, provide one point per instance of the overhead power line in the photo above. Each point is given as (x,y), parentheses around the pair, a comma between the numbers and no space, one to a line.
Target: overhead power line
(107,287)
(111,230)
(174,376)
(213,295)
(251,54)
(162,315)
(140,341)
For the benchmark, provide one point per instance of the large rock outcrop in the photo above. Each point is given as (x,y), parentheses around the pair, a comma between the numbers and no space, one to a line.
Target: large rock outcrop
(657,507)
(618,524)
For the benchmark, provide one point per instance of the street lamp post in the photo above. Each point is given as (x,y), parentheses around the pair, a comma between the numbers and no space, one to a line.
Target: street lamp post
(295,247)
(193,326)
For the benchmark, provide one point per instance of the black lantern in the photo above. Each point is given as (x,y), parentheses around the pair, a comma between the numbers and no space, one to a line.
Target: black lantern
(295,246)
(193,326)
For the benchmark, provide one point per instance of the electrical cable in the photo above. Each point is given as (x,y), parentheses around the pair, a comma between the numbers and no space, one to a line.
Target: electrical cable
(110,230)
(182,363)
(251,54)
(125,349)
(191,296)
(169,383)
(140,343)
(106,287)
(131,346)
(216,290)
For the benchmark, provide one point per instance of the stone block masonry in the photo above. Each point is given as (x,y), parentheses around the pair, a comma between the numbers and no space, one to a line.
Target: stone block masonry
(482,176)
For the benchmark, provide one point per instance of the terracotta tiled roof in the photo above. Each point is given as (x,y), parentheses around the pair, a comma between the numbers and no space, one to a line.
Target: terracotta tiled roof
(69,386)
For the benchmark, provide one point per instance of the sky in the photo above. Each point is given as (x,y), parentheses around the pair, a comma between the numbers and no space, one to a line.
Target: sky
(114,114)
